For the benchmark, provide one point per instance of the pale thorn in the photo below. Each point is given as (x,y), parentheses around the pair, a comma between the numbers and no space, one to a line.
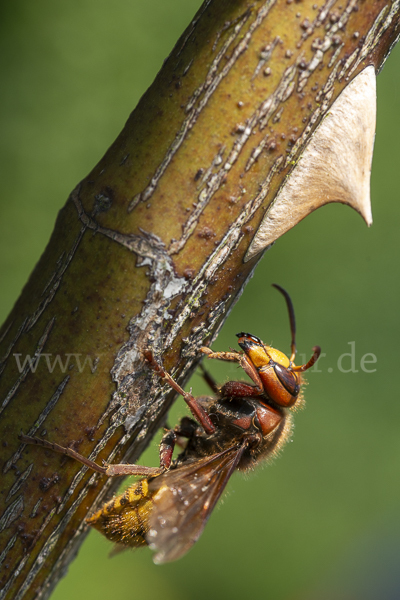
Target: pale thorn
(334,167)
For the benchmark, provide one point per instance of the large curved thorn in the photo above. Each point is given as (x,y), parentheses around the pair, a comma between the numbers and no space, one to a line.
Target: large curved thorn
(335,165)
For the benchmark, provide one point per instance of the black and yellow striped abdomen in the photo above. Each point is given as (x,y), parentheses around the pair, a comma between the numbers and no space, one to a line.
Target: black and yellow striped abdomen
(125,518)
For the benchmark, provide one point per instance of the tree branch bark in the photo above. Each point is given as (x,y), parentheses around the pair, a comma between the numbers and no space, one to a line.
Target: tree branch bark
(149,251)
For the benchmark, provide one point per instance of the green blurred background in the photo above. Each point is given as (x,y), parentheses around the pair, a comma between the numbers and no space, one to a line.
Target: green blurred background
(322,522)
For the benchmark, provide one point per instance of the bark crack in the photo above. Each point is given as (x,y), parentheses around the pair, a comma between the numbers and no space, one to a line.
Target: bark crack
(27,368)
(37,424)
(206,90)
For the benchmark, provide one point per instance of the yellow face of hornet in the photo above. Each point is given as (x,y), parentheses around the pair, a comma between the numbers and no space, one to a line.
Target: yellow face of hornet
(281,384)
(261,355)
